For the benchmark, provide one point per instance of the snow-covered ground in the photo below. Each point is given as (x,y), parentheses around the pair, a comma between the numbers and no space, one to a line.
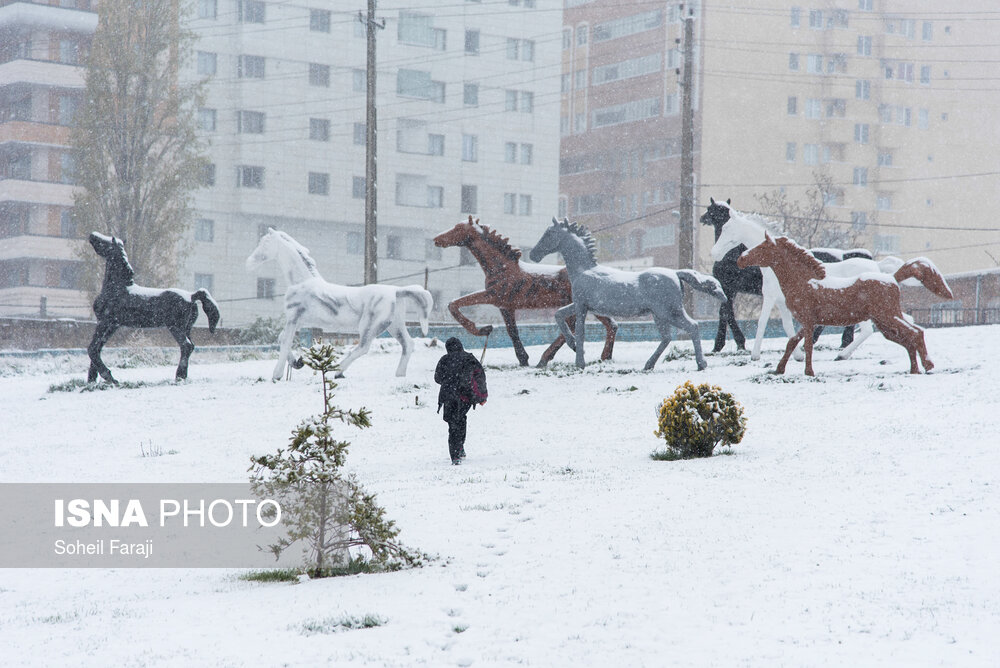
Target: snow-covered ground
(857,524)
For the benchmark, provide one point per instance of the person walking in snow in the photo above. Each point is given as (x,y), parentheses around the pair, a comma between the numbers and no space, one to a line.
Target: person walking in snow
(463,385)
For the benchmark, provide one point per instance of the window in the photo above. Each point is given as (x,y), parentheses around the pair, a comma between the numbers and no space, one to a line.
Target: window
(69,276)
(861,176)
(790,151)
(859,220)
(580,79)
(67,168)
(520,49)
(265,288)
(816,19)
(567,38)
(206,119)
(923,118)
(354,244)
(510,203)
(250,67)
(863,89)
(203,282)
(418,29)
(250,122)
(885,158)
(579,123)
(361,134)
(472,42)
(814,63)
(208,175)
(883,201)
(836,107)
(927,31)
(527,151)
(510,100)
(249,11)
(510,152)
(319,129)
(319,183)
(527,102)
(435,144)
(67,109)
(411,190)
(204,230)
(359,79)
(865,5)
(888,244)
(470,199)
(470,95)
(627,112)
(864,45)
(906,72)
(528,50)
(394,247)
(627,25)
(319,20)
(513,48)
(885,113)
(524,205)
(796,18)
(67,224)
(814,108)
(206,63)
(418,83)
(581,35)
(358,186)
(925,74)
(207,9)
(319,75)
(435,197)
(793,62)
(470,148)
(861,133)
(793,104)
(69,52)
(810,154)
(249,176)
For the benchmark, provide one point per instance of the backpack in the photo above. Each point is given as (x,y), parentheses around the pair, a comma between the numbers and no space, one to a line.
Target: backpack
(477,385)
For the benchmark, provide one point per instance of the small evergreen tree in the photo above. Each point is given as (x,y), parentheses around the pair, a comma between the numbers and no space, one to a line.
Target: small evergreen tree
(695,419)
(324,508)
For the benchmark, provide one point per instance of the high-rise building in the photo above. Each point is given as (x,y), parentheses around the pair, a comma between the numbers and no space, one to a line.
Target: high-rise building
(42,48)
(466,98)
(890,104)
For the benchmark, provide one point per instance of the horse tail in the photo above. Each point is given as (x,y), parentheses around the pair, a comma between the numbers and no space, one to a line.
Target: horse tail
(424,301)
(924,271)
(209,306)
(702,283)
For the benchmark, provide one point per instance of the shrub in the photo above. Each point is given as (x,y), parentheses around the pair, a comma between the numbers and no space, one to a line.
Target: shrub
(262,331)
(697,418)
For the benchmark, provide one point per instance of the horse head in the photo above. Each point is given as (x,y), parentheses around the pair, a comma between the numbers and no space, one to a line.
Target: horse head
(717,215)
(549,243)
(112,250)
(737,230)
(458,235)
(263,253)
(764,254)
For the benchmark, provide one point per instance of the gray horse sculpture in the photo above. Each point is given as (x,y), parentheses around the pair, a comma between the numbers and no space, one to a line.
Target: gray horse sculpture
(615,293)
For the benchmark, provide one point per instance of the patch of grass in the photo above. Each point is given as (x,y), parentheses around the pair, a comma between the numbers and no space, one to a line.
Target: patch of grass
(58,619)
(335,625)
(80,385)
(150,450)
(485,506)
(771,378)
(460,628)
(272,575)
(670,455)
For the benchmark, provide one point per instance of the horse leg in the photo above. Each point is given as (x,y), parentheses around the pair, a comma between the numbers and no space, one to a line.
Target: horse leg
(901,332)
(398,331)
(720,334)
(808,345)
(102,333)
(562,315)
(187,347)
(581,322)
(681,320)
(865,329)
(847,338)
(610,332)
(793,342)
(368,329)
(551,351)
(738,337)
(788,322)
(285,340)
(515,337)
(475,299)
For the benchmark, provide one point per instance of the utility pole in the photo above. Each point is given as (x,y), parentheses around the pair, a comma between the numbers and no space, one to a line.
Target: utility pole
(371,146)
(685,233)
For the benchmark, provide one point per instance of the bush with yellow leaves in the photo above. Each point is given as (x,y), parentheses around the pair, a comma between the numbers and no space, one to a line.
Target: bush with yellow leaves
(697,418)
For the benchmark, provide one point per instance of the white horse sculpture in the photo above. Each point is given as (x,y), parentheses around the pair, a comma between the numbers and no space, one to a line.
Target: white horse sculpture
(310,301)
(741,229)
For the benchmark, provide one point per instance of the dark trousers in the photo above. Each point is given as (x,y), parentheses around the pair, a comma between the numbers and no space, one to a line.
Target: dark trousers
(456,415)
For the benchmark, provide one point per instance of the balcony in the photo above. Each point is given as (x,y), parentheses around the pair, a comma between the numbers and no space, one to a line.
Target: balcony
(19,13)
(41,73)
(33,133)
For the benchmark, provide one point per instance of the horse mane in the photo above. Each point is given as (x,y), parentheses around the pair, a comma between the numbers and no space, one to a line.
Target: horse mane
(772,226)
(582,233)
(128,273)
(802,259)
(501,244)
(302,251)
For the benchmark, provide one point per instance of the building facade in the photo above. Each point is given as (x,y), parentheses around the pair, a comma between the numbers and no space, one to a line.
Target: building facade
(466,99)
(42,48)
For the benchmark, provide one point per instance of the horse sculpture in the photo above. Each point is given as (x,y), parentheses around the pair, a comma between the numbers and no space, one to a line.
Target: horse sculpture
(613,292)
(312,302)
(122,303)
(739,229)
(815,298)
(511,285)
(750,281)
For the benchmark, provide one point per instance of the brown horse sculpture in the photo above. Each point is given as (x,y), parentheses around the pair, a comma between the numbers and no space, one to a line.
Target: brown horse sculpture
(815,299)
(512,285)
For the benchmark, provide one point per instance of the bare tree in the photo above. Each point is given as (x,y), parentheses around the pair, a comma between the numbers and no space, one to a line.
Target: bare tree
(810,221)
(137,155)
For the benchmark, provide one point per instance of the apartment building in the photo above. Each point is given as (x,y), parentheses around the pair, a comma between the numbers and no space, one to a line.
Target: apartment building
(42,46)
(467,125)
(894,101)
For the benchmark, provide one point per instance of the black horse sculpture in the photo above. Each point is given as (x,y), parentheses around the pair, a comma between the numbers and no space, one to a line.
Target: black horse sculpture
(122,303)
(749,280)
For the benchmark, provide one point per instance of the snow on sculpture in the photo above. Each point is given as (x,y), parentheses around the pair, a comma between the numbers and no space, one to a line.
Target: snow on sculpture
(122,303)
(740,229)
(613,292)
(511,285)
(818,299)
(310,301)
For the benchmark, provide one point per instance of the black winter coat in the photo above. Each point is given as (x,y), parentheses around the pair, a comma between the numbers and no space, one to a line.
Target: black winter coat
(453,373)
